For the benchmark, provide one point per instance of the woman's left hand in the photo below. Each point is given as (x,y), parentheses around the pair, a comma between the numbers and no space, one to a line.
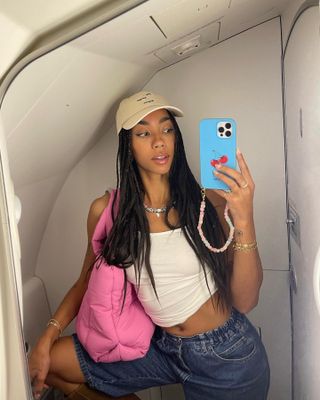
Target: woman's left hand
(240,197)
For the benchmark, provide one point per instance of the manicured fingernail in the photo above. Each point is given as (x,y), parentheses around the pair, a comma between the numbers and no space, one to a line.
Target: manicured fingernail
(218,166)
(238,151)
(216,172)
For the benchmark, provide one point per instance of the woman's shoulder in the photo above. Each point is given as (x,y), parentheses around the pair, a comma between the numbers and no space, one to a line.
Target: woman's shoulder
(97,207)
(99,204)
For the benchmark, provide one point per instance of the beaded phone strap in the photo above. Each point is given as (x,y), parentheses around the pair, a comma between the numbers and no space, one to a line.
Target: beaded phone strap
(227,218)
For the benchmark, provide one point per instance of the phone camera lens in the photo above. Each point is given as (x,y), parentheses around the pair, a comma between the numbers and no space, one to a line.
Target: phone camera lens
(221,129)
(228,133)
(228,125)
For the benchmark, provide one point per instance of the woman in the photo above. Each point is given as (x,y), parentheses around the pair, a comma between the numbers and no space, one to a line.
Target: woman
(196,298)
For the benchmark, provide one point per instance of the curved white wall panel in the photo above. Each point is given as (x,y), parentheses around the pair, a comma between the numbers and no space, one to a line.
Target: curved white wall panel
(13,366)
(316,280)
(21,23)
(302,62)
(13,39)
(288,15)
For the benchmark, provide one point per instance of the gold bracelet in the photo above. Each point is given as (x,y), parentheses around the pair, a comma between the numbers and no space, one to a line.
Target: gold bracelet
(55,323)
(245,246)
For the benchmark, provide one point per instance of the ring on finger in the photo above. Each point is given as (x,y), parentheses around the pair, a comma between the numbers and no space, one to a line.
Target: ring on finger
(245,185)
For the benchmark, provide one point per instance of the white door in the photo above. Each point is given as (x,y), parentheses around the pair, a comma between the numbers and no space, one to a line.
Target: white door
(302,89)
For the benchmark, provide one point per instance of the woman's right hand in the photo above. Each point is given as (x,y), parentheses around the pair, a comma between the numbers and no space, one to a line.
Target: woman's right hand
(39,364)
(39,359)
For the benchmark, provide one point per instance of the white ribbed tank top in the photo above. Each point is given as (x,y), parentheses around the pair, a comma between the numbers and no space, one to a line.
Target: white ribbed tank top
(179,278)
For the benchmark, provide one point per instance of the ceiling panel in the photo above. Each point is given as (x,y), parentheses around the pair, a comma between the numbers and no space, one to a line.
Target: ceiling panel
(204,38)
(38,15)
(132,41)
(244,14)
(185,16)
(61,126)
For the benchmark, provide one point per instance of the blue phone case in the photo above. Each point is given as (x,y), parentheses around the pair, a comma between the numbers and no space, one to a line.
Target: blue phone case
(217,144)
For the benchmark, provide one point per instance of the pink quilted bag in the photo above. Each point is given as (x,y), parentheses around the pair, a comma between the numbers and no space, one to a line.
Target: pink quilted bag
(106,333)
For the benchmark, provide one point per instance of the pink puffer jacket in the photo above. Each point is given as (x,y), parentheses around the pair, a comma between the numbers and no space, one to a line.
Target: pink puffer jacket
(107,334)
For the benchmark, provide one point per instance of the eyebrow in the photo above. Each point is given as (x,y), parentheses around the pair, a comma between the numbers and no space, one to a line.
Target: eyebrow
(143,122)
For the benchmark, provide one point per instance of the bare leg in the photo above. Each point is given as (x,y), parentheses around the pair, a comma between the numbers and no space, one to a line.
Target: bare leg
(65,372)
(58,383)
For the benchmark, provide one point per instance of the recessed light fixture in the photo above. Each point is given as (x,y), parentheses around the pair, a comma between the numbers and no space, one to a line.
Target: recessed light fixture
(187,47)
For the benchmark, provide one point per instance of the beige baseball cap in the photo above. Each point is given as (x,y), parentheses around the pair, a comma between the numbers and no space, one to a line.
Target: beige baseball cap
(134,108)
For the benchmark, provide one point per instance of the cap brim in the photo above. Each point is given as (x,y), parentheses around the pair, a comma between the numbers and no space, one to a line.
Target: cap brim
(134,119)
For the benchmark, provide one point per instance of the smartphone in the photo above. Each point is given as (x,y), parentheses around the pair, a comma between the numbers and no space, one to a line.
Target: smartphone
(217,145)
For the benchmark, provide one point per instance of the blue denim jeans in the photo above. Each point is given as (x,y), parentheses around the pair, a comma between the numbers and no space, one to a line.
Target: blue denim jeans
(226,363)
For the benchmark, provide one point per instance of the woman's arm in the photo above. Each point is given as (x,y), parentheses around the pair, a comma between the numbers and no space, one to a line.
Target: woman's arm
(247,273)
(39,360)
(70,305)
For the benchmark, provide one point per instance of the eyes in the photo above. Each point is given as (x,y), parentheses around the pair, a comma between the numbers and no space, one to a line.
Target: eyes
(166,131)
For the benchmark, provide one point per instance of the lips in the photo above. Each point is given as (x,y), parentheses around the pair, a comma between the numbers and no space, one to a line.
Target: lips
(161,159)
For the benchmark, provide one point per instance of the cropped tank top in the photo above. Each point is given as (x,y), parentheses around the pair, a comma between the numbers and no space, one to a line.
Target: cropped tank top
(179,279)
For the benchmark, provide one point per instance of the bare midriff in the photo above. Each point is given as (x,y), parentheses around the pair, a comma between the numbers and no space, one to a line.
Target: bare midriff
(209,316)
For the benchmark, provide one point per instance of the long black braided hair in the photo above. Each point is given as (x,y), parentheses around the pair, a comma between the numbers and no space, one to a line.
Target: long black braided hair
(128,242)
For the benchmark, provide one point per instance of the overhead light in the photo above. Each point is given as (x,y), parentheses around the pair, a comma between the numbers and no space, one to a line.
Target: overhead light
(187,47)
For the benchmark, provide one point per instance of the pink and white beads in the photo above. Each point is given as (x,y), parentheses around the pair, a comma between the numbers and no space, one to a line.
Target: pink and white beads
(227,218)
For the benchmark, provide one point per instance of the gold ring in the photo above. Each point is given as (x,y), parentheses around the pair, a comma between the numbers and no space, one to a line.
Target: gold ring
(245,185)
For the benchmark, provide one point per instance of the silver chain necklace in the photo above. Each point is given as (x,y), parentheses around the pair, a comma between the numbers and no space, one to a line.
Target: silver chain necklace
(156,211)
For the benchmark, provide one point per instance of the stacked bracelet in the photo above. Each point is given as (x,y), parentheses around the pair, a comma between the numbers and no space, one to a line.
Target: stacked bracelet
(55,323)
(245,246)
